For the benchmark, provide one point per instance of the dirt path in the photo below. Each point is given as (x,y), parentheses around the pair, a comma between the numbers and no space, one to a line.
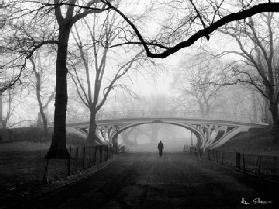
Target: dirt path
(173,181)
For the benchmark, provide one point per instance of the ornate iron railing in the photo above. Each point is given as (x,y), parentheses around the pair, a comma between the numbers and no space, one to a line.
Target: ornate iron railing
(225,116)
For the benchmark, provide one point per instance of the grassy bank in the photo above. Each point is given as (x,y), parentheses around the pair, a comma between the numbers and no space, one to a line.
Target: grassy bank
(35,135)
(255,141)
(22,152)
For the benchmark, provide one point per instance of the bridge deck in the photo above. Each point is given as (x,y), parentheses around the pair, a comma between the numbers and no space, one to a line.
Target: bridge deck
(165,120)
(146,181)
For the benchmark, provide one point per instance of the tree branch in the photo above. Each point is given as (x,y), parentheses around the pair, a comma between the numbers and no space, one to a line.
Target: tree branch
(262,7)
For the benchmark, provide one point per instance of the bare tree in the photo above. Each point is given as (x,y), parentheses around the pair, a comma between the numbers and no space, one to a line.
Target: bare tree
(102,34)
(196,81)
(23,41)
(65,23)
(2,15)
(258,46)
(61,16)
(40,73)
(75,10)
(199,19)
(8,100)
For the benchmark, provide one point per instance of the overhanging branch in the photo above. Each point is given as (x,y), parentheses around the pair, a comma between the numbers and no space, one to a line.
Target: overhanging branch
(260,8)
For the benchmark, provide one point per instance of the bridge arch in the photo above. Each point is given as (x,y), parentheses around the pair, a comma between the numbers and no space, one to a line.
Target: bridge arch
(210,133)
(200,136)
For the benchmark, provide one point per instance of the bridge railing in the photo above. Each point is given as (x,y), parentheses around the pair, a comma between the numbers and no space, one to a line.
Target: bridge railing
(215,115)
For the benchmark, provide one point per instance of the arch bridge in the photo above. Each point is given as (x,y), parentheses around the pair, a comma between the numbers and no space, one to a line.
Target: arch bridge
(211,130)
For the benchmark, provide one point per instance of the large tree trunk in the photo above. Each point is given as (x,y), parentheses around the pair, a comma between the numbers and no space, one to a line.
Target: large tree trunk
(275,125)
(41,115)
(265,111)
(4,123)
(92,138)
(254,107)
(58,149)
(115,143)
(1,107)
(42,122)
(5,120)
(45,127)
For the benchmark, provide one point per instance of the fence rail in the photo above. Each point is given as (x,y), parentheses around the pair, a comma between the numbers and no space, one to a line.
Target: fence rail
(259,165)
(81,158)
(22,172)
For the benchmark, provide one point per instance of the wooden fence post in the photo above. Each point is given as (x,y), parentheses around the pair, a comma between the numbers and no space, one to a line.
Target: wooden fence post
(84,157)
(243,162)
(45,179)
(89,157)
(274,166)
(259,165)
(107,152)
(77,159)
(95,155)
(214,155)
(69,162)
(237,160)
(101,153)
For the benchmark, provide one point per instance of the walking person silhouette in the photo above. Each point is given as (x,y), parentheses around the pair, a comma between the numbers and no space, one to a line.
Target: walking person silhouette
(160,148)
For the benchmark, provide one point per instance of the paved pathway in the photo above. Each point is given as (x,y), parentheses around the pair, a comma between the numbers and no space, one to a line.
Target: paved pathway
(175,181)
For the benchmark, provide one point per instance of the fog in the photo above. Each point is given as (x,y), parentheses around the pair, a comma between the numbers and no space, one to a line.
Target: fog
(100,85)
(203,79)
(145,138)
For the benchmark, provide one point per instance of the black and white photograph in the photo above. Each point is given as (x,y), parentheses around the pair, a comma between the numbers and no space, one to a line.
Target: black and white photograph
(139,104)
